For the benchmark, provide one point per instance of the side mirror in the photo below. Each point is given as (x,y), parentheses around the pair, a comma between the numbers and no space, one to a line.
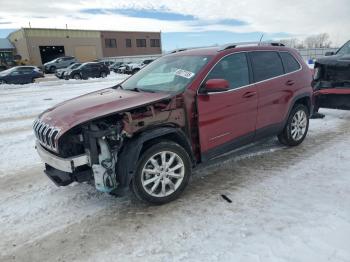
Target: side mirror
(216,85)
(329,53)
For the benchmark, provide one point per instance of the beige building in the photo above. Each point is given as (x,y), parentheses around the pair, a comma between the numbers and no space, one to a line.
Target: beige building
(37,46)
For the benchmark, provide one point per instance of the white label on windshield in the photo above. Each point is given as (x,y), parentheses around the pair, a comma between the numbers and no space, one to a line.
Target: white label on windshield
(184,73)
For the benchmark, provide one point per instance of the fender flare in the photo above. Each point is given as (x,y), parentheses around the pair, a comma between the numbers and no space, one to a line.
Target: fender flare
(295,99)
(130,153)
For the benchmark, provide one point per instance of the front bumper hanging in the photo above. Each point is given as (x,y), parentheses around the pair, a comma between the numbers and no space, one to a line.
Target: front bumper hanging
(64,164)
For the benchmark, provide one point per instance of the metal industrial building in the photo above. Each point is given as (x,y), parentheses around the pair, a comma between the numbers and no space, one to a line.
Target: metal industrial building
(37,45)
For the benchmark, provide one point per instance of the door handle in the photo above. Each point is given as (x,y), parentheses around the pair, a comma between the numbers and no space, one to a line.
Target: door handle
(290,83)
(249,94)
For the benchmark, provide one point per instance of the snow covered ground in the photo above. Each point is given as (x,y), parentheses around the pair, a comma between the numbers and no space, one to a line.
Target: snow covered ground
(288,204)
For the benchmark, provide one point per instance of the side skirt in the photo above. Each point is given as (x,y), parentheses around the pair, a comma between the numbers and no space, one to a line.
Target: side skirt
(261,133)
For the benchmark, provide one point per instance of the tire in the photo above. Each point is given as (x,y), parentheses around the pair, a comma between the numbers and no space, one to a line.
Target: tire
(158,186)
(52,69)
(103,74)
(2,82)
(77,77)
(297,126)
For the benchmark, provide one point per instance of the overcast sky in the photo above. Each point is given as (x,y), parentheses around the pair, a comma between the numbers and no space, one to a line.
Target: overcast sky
(186,23)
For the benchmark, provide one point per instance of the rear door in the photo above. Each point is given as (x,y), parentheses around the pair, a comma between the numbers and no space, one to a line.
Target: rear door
(227,119)
(87,71)
(274,90)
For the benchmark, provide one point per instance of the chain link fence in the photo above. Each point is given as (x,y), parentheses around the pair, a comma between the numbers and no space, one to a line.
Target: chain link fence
(314,53)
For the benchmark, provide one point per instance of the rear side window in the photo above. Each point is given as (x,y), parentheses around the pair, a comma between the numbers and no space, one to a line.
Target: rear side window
(289,62)
(266,64)
(234,69)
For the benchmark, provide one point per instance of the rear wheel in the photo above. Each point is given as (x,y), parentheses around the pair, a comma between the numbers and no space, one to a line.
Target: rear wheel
(163,172)
(103,74)
(77,77)
(297,126)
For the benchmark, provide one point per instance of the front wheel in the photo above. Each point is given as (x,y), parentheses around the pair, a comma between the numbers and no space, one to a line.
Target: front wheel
(52,69)
(103,74)
(2,82)
(297,126)
(163,172)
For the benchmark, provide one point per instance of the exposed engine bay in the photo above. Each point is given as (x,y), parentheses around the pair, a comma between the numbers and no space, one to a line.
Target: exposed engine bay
(102,141)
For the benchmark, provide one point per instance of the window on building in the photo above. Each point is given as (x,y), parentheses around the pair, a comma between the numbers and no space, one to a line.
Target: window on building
(110,43)
(266,65)
(141,42)
(128,42)
(155,42)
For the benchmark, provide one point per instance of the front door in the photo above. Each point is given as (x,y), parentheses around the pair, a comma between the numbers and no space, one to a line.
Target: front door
(227,119)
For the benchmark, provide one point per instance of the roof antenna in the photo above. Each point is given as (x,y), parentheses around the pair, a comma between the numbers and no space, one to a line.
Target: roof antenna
(262,35)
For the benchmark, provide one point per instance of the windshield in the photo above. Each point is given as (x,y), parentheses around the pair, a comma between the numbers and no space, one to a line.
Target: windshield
(73,66)
(345,49)
(5,72)
(167,74)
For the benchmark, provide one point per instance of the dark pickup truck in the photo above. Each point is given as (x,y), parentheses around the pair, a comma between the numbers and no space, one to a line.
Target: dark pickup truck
(332,80)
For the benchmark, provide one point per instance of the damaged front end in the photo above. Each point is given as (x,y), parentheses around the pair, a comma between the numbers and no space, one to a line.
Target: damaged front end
(332,82)
(94,151)
(85,153)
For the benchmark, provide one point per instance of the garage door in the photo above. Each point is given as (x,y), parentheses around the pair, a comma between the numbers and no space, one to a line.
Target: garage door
(85,53)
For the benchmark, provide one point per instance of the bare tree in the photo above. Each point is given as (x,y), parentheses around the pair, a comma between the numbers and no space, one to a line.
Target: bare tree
(290,42)
(318,41)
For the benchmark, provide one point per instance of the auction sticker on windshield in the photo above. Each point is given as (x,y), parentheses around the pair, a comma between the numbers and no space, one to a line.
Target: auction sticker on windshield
(184,73)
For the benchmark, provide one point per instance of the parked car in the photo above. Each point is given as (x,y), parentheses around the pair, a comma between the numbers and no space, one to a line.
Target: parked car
(332,80)
(114,67)
(132,68)
(87,70)
(122,68)
(107,62)
(61,62)
(61,72)
(184,109)
(20,75)
(147,61)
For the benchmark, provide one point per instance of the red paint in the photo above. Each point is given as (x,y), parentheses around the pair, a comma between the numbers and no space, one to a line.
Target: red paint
(214,85)
(94,105)
(333,91)
(211,119)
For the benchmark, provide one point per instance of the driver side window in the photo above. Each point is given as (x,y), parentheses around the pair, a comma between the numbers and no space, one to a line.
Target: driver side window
(233,68)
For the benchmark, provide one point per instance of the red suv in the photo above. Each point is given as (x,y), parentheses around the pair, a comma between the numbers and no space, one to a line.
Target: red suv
(185,108)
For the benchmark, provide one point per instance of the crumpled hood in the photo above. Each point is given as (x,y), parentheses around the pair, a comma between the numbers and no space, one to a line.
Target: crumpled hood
(94,105)
(334,60)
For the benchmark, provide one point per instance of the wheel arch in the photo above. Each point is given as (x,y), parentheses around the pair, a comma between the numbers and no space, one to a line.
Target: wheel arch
(304,99)
(133,148)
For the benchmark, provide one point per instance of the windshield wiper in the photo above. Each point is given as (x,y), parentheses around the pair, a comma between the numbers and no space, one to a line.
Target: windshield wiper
(116,86)
(136,89)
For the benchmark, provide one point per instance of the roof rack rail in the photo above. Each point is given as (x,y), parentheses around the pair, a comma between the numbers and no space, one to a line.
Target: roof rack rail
(190,48)
(243,44)
(179,50)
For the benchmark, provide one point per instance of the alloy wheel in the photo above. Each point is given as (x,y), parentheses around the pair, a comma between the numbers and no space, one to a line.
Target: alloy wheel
(162,174)
(298,125)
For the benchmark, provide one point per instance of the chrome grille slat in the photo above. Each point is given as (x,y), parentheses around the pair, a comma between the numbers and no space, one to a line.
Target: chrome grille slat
(46,134)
